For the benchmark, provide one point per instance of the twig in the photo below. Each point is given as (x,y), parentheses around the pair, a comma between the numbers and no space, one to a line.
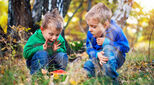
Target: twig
(73,14)
(89,5)
(81,28)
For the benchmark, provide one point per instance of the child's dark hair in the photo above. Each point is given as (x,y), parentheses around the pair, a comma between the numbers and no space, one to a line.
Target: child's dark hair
(52,19)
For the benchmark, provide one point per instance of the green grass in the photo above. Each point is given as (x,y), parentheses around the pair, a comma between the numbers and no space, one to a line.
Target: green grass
(137,70)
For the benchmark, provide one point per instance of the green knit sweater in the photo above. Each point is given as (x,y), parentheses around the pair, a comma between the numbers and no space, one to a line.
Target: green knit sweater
(35,43)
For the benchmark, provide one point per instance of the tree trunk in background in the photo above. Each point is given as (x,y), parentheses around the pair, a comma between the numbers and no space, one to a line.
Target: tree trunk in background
(19,13)
(89,7)
(42,6)
(122,12)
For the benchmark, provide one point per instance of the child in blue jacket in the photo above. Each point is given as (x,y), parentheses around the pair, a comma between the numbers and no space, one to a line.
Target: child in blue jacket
(106,43)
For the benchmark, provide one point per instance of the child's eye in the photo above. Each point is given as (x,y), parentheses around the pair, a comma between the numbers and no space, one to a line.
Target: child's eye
(51,34)
(93,26)
(57,35)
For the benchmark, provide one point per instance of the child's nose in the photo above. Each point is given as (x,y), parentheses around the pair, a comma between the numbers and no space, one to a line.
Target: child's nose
(90,29)
(54,37)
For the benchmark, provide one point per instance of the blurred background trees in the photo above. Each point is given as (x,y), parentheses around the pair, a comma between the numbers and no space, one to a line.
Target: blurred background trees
(130,15)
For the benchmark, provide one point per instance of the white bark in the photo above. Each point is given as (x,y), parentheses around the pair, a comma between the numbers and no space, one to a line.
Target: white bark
(122,12)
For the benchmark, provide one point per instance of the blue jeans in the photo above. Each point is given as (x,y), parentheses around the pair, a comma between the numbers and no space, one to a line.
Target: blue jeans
(115,61)
(41,59)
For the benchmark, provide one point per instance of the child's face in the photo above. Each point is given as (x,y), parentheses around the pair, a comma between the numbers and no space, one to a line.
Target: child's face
(95,27)
(51,34)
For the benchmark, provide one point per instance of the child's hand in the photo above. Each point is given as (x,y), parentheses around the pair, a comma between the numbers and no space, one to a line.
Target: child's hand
(45,45)
(100,41)
(56,45)
(102,58)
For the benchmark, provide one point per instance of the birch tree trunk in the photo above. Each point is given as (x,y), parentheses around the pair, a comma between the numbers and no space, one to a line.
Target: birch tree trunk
(42,6)
(122,12)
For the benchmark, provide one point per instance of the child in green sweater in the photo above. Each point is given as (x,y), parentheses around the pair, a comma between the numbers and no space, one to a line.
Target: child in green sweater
(46,47)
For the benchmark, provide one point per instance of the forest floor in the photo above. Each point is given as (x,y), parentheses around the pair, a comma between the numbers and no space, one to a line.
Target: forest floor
(137,70)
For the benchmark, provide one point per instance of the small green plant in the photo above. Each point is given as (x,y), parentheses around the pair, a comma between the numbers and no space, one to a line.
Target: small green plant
(76,45)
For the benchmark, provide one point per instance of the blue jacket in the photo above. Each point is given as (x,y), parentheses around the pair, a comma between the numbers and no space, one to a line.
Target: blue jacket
(114,37)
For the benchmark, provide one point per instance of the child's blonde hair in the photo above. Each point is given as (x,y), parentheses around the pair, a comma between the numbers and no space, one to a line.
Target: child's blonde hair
(52,19)
(99,12)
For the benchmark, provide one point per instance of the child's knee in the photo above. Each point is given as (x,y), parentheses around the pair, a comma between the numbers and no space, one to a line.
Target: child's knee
(89,65)
(62,56)
(108,48)
(109,51)
(41,55)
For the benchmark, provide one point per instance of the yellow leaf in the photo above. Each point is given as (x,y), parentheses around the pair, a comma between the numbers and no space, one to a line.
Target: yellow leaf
(55,76)
(3,48)
(72,82)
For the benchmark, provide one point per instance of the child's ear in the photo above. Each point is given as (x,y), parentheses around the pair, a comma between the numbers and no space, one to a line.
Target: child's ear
(106,24)
(41,28)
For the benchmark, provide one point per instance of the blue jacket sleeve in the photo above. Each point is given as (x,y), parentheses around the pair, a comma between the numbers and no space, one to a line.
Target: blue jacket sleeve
(121,43)
(118,38)
(89,47)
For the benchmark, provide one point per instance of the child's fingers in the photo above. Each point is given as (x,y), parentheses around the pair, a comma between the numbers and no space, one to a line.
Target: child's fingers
(104,59)
(102,52)
(46,42)
(59,44)
(101,62)
(58,47)
(45,45)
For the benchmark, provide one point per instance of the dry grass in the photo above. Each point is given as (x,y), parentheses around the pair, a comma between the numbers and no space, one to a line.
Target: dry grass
(137,70)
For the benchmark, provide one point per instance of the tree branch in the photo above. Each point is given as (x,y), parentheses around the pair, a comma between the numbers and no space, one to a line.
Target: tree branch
(89,5)
(73,14)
